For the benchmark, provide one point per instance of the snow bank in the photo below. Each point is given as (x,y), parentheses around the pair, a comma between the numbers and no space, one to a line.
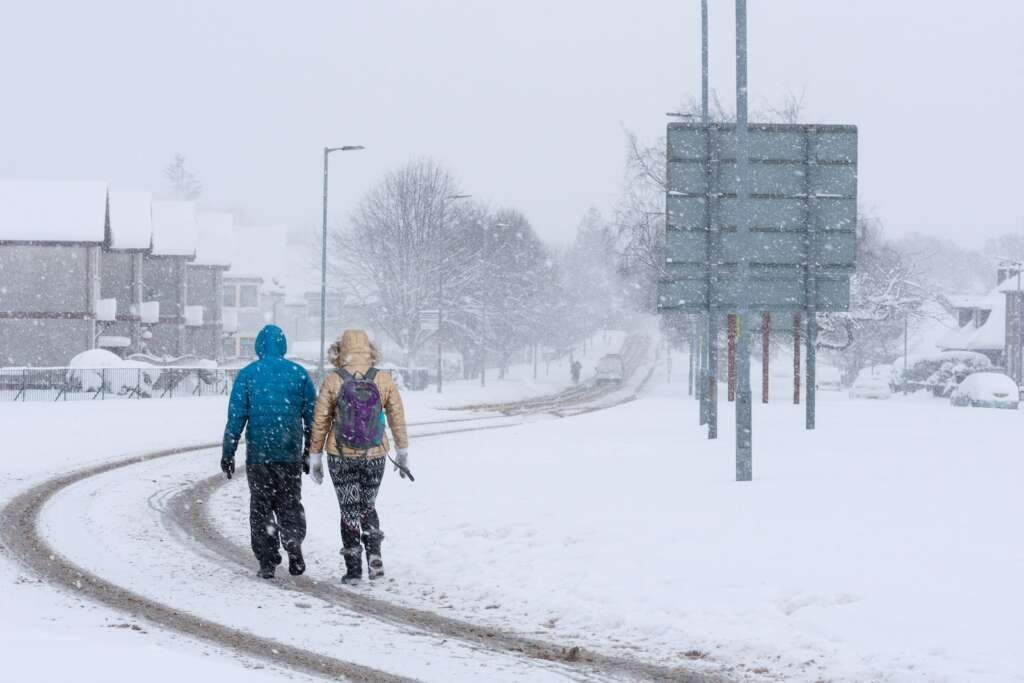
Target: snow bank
(51,211)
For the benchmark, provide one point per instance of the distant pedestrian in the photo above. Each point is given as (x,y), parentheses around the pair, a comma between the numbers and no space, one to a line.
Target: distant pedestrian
(349,423)
(575,369)
(272,400)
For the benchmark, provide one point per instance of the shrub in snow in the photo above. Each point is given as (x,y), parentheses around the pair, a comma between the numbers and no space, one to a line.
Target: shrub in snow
(99,369)
(940,372)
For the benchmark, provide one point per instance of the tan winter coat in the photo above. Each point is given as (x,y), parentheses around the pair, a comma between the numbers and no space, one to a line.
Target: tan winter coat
(355,353)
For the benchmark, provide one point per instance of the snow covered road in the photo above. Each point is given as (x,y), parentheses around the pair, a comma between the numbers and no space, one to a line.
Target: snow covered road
(884,546)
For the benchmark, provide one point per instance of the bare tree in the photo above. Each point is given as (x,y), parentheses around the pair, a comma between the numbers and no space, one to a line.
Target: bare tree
(392,257)
(181,183)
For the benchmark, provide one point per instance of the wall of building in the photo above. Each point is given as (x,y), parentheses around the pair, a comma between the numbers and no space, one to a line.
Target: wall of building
(165,281)
(47,298)
(204,289)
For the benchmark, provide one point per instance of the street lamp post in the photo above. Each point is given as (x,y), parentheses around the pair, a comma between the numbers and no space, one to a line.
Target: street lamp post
(323,260)
(440,284)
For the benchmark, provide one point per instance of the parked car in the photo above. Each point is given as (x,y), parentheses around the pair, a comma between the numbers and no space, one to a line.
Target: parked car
(987,390)
(871,383)
(610,369)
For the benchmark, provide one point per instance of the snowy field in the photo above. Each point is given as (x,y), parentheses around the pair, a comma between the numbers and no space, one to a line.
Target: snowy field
(883,546)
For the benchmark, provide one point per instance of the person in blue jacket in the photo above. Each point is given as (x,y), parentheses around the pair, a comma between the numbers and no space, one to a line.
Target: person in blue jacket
(272,400)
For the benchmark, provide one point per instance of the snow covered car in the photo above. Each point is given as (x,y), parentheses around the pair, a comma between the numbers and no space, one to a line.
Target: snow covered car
(987,390)
(610,369)
(869,385)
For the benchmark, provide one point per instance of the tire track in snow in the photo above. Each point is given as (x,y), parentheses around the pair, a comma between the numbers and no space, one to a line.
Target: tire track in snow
(19,530)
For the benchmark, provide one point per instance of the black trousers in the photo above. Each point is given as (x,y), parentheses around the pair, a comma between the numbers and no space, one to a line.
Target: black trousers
(276,516)
(356,482)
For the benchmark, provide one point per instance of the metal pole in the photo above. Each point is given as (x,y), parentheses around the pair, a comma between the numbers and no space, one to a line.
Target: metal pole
(483,344)
(440,297)
(701,372)
(1018,338)
(730,322)
(689,351)
(704,61)
(712,376)
(766,332)
(812,360)
(744,426)
(323,277)
(796,359)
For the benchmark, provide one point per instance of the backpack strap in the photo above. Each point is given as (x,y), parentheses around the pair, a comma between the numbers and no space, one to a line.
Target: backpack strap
(370,375)
(345,375)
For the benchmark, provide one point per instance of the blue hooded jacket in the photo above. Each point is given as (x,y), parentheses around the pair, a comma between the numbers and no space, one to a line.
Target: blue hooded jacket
(272,400)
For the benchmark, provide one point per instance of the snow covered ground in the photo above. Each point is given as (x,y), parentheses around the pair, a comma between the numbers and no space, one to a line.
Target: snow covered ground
(883,546)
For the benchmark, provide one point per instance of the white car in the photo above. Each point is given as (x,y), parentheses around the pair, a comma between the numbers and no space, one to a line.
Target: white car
(610,369)
(868,385)
(990,389)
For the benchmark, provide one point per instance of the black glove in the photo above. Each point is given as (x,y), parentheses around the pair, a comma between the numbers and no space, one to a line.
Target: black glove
(227,465)
(305,462)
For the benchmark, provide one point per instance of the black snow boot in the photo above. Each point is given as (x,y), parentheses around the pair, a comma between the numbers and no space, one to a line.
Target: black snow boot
(267,570)
(296,563)
(375,565)
(353,567)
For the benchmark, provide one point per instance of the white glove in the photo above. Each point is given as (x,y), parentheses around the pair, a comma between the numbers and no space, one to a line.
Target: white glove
(316,467)
(401,461)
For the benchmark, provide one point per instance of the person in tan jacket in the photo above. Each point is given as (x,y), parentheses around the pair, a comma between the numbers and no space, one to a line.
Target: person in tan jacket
(357,471)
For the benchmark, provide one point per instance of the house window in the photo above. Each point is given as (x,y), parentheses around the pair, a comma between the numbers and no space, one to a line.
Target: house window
(230,347)
(248,296)
(247,347)
(230,294)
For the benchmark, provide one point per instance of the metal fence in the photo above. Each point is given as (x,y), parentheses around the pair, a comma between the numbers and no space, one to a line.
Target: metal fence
(103,384)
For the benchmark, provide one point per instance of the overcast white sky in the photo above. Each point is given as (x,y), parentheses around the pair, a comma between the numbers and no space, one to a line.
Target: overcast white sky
(524,99)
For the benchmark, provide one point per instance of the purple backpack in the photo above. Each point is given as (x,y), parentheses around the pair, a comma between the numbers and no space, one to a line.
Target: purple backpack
(360,421)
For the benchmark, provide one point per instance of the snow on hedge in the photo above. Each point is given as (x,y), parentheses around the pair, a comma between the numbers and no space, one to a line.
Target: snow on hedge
(53,211)
(99,368)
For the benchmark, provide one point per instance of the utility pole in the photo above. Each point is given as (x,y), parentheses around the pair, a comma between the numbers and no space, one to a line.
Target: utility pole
(709,383)
(323,260)
(744,427)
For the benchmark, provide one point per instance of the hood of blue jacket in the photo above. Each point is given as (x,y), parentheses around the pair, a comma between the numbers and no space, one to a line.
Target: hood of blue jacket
(271,342)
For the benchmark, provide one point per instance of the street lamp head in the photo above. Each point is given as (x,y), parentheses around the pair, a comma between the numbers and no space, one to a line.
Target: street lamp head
(458,196)
(344,148)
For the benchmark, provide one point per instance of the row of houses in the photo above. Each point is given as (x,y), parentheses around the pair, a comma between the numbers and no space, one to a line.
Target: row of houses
(84,266)
(992,323)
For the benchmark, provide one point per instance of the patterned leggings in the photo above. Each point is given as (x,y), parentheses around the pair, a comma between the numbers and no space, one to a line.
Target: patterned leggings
(356,481)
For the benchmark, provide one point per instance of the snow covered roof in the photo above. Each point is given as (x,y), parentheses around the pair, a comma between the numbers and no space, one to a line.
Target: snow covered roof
(131,220)
(53,211)
(980,301)
(175,231)
(216,243)
(989,337)
(260,251)
(1011,284)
